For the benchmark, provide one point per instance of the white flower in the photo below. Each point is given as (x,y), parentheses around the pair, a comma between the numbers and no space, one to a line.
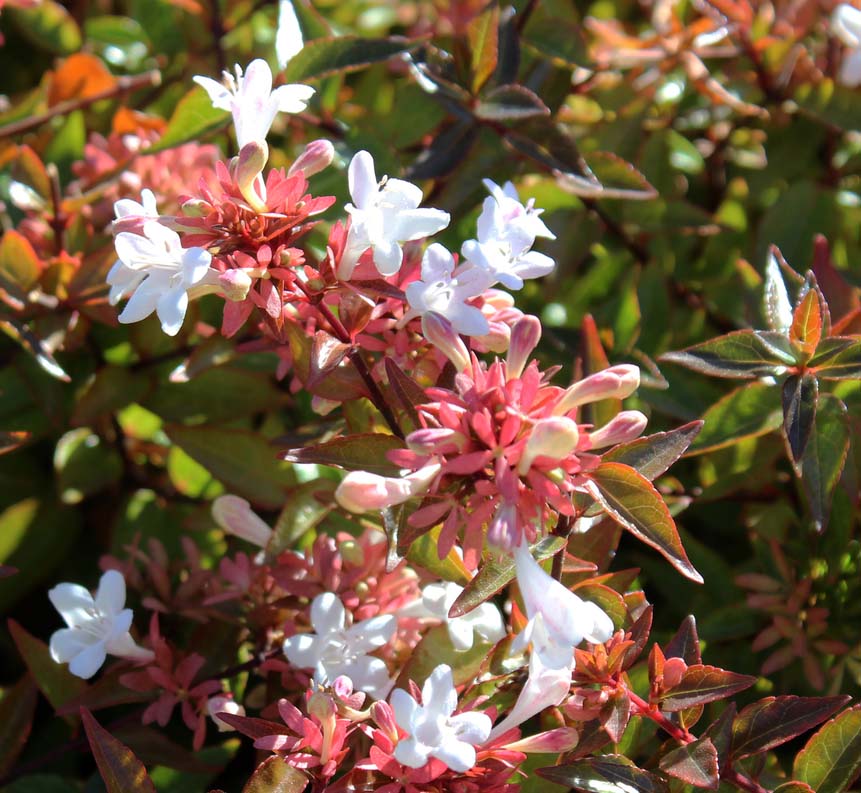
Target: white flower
(252,102)
(145,208)
(507,230)
(382,216)
(361,491)
(235,516)
(433,730)
(223,703)
(158,271)
(485,620)
(445,290)
(288,33)
(96,626)
(336,650)
(846,24)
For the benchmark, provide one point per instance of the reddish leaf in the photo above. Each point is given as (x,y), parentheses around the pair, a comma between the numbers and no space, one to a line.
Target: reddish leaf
(639,631)
(604,773)
(741,354)
(794,787)
(838,358)
(775,720)
(654,454)
(615,714)
(832,757)
(806,329)
(361,452)
(800,395)
(16,718)
(9,441)
(253,727)
(695,763)
(118,766)
(701,684)
(719,732)
(273,775)
(686,643)
(326,356)
(19,265)
(632,500)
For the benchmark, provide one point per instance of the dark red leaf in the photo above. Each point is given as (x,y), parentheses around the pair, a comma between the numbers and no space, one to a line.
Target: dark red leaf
(120,770)
(701,684)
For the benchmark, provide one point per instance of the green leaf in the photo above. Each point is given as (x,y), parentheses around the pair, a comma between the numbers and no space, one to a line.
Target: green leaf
(824,457)
(305,506)
(193,118)
(695,763)
(510,103)
(336,55)
(654,454)
(445,152)
(741,354)
(556,38)
(701,684)
(424,552)
(747,412)
(776,720)
(632,500)
(242,460)
(436,648)
(49,26)
(832,757)
(838,358)
(360,452)
(618,177)
(19,265)
(604,774)
(85,464)
(273,775)
(827,101)
(55,680)
(495,574)
(800,396)
(482,33)
(29,341)
(17,706)
(112,388)
(794,787)
(120,770)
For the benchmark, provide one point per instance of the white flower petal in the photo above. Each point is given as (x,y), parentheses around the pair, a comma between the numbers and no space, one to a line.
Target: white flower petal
(293,98)
(302,650)
(457,755)
(111,594)
(362,179)
(371,634)
(74,603)
(411,753)
(171,307)
(218,93)
(388,257)
(438,692)
(472,727)
(415,224)
(86,663)
(66,643)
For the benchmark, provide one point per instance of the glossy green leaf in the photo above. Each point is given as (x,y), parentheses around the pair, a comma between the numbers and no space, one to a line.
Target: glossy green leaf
(120,770)
(273,775)
(29,341)
(830,102)
(800,396)
(741,354)
(193,118)
(831,759)
(631,499)
(654,454)
(608,772)
(695,763)
(326,56)
(424,552)
(838,358)
(824,457)
(361,452)
(701,684)
(436,648)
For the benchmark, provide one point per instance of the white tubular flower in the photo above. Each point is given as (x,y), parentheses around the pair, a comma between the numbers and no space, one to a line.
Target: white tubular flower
(129,208)
(507,230)
(96,626)
(445,290)
(159,272)
(485,620)
(382,216)
(336,649)
(846,25)
(361,491)
(252,102)
(433,730)
(235,516)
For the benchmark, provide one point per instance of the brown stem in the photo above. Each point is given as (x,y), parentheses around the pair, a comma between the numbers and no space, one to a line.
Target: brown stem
(58,217)
(563,529)
(122,86)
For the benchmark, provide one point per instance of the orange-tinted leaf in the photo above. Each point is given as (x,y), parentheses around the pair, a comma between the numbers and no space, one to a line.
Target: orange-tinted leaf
(80,76)
(273,775)
(120,770)
(130,122)
(483,36)
(701,684)
(806,329)
(19,265)
(595,360)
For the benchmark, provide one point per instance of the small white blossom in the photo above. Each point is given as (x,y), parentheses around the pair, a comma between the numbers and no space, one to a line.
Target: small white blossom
(507,230)
(433,730)
(158,273)
(223,703)
(846,25)
(485,620)
(382,216)
(252,102)
(96,626)
(145,209)
(445,289)
(235,516)
(335,649)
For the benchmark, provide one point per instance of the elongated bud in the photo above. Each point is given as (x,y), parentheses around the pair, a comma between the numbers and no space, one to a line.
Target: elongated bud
(223,703)
(317,156)
(361,491)
(525,335)
(624,427)
(249,167)
(617,382)
(503,530)
(553,437)
(439,332)
(235,516)
(436,440)
(235,284)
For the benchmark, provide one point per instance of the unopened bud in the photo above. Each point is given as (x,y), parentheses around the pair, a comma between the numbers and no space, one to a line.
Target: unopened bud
(436,440)
(235,284)
(617,382)
(317,156)
(223,703)
(352,553)
(525,335)
(196,208)
(502,532)
(321,706)
(554,437)
(249,167)
(624,427)
(235,516)
(439,332)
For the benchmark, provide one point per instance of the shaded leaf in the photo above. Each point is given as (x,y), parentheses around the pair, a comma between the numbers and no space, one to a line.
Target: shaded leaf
(741,354)
(48,25)
(325,56)
(360,452)
(305,506)
(701,684)
(695,763)
(120,770)
(112,388)
(775,720)
(193,118)
(824,457)
(632,500)
(618,178)
(436,648)
(273,775)
(445,152)
(685,644)
(830,102)
(615,715)
(595,360)
(84,464)
(800,395)
(9,441)
(604,773)
(654,454)
(831,759)
(35,346)
(510,103)
(17,706)
(794,787)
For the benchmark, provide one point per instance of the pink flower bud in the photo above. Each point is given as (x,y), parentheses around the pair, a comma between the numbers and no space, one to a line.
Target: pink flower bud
(439,332)
(624,427)
(562,739)
(674,670)
(249,167)
(235,284)
(525,335)
(437,440)
(361,491)
(317,156)
(503,530)
(235,516)
(223,703)
(554,437)
(617,382)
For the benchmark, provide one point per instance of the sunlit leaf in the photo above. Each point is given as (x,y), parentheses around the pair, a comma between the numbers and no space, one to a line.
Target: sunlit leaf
(120,770)
(831,759)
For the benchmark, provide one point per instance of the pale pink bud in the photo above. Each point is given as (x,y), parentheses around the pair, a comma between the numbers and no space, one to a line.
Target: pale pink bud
(562,739)
(361,491)
(317,156)
(436,440)
(624,427)
(525,335)
(617,382)
(439,332)
(503,532)
(235,516)
(249,167)
(223,703)
(235,284)
(674,670)
(554,437)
